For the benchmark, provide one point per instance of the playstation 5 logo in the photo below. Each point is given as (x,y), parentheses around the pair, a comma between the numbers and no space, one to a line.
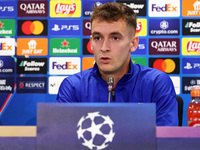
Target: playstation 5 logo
(56,28)
(188,66)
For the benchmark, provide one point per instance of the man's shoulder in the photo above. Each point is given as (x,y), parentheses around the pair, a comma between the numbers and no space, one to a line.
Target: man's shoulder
(81,75)
(150,73)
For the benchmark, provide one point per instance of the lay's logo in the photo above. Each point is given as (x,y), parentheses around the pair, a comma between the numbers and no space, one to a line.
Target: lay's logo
(141,29)
(193,46)
(190,46)
(65,8)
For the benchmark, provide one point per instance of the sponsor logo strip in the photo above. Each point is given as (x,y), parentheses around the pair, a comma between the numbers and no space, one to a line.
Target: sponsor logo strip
(141,49)
(65,8)
(176,82)
(7,46)
(32,9)
(87,6)
(191,66)
(65,27)
(164,8)
(139,7)
(188,83)
(191,26)
(164,27)
(164,46)
(8,8)
(5,67)
(141,29)
(139,60)
(87,62)
(29,46)
(32,28)
(190,46)
(64,65)
(87,47)
(6,84)
(54,83)
(190,8)
(7,27)
(31,84)
(63,46)
(86,27)
(167,65)
(31,65)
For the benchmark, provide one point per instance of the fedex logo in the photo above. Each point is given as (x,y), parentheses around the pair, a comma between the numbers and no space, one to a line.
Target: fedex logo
(7,46)
(64,65)
(166,7)
(4,46)
(67,65)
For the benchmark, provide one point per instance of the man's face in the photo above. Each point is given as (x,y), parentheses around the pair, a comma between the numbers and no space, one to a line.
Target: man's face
(112,43)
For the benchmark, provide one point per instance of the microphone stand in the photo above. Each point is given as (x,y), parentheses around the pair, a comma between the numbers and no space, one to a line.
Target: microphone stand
(110,87)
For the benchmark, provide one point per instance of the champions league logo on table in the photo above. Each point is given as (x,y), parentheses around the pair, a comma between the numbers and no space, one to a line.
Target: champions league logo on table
(95,130)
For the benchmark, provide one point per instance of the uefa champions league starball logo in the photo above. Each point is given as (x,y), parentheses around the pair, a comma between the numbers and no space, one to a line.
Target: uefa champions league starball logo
(95,131)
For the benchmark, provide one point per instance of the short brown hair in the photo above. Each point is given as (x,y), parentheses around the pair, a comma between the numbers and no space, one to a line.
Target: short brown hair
(113,12)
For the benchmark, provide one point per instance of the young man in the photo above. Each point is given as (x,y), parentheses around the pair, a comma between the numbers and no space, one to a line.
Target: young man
(113,28)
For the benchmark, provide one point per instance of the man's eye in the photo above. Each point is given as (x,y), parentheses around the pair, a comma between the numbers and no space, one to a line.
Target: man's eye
(97,38)
(115,38)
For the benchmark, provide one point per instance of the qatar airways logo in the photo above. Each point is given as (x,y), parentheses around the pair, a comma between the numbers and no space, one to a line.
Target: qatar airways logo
(193,46)
(66,9)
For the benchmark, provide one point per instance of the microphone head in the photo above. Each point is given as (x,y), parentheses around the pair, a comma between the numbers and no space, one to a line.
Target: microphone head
(111,81)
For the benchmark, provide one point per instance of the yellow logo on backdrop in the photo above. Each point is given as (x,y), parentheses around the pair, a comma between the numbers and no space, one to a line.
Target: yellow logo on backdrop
(191,46)
(141,29)
(65,8)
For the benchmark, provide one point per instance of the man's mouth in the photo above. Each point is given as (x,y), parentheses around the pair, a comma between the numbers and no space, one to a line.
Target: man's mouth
(105,59)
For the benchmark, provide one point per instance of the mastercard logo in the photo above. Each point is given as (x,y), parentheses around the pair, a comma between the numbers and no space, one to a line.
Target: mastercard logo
(167,65)
(35,27)
(32,27)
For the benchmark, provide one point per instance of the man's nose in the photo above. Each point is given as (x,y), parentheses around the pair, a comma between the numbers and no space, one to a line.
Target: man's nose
(105,45)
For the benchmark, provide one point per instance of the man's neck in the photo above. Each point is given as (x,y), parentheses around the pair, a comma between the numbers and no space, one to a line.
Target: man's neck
(116,76)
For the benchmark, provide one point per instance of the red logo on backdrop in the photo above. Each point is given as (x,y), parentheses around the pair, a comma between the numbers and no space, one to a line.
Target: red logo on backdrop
(65,43)
(193,46)
(89,47)
(139,27)
(21,84)
(66,9)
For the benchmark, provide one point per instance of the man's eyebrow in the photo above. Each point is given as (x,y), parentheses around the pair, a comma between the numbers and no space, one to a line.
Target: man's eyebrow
(112,33)
(116,33)
(96,33)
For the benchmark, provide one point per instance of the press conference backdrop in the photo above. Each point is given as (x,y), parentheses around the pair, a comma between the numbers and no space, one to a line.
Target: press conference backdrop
(44,41)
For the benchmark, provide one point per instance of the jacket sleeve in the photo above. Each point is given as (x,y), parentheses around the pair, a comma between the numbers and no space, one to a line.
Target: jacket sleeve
(166,103)
(66,92)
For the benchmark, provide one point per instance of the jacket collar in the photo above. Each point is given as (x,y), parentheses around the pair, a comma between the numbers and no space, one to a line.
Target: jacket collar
(126,78)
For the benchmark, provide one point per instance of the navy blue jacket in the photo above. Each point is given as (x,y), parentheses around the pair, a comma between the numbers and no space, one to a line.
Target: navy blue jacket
(140,85)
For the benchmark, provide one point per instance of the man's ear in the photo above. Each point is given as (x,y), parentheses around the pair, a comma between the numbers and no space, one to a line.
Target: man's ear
(91,42)
(134,43)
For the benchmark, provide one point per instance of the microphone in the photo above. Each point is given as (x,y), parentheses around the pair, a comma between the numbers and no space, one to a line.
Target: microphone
(110,87)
